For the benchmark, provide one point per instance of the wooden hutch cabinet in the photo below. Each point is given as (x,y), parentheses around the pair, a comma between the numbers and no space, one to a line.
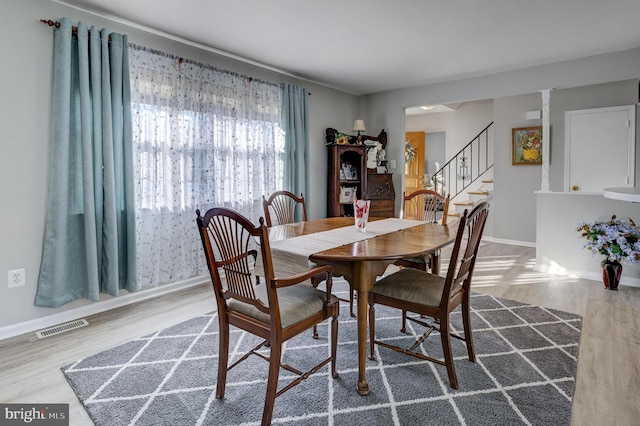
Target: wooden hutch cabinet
(349,179)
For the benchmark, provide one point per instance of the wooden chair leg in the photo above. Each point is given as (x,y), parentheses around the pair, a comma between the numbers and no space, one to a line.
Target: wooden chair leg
(351,301)
(223,359)
(446,348)
(372,330)
(404,321)
(272,382)
(434,265)
(334,346)
(468,339)
(315,281)
(434,262)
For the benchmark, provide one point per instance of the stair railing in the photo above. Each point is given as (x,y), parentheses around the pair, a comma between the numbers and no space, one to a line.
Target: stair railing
(465,167)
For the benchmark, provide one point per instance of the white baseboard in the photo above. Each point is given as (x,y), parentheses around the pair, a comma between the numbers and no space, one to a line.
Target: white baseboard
(97,307)
(587,275)
(512,242)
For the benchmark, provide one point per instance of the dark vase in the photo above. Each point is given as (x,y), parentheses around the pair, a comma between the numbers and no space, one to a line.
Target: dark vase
(611,272)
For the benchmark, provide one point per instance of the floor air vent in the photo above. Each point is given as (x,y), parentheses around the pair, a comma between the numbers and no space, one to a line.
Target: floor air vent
(61,328)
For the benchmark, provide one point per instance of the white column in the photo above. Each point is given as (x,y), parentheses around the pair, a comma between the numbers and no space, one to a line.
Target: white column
(546,138)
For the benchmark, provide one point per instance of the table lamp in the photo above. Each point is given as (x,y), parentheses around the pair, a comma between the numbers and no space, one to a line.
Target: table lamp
(358,126)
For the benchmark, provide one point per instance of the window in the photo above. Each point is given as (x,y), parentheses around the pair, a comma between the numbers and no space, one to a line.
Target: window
(202,137)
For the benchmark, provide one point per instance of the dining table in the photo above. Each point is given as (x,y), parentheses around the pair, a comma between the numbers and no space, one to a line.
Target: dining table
(359,257)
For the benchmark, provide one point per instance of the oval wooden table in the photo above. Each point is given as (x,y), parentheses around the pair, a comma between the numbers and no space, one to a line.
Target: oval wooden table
(360,262)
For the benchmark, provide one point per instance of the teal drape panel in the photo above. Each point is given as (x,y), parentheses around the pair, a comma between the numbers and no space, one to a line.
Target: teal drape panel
(89,241)
(295,122)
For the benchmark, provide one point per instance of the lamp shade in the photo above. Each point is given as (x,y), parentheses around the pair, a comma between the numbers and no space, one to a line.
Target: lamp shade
(358,125)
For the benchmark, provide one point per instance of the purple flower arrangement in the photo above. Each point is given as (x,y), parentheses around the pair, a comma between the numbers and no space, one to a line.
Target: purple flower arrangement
(617,239)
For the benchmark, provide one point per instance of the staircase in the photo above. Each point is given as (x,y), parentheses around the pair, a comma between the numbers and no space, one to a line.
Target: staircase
(483,193)
(468,177)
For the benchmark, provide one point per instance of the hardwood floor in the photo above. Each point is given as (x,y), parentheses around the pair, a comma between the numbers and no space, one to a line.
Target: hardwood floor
(607,383)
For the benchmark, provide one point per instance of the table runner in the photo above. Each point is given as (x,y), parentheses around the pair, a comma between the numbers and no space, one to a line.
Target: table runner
(291,256)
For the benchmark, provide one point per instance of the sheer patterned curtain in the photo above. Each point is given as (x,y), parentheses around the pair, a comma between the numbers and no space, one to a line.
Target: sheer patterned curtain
(89,242)
(203,137)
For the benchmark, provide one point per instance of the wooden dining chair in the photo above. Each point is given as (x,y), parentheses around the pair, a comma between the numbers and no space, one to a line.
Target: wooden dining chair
(282,206)
(275,311)
(431,295)
(425,205)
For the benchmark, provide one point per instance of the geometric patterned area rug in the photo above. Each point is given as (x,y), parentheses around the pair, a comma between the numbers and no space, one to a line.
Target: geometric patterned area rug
(524,373)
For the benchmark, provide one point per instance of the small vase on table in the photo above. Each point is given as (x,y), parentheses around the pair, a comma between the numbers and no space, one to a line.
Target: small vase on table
(361,213)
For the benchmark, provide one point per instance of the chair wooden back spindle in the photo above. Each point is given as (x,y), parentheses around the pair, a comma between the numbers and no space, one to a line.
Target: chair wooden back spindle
(281,206)
(424,205)
(465,249)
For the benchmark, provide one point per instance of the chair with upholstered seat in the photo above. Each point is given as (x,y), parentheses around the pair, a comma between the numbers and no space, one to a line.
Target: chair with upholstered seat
(282,205)
(424,293)
(281,208)
(276,310)
(425,205)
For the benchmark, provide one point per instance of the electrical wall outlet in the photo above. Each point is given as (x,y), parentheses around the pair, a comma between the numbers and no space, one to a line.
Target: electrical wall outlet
(16,278)
(392,164)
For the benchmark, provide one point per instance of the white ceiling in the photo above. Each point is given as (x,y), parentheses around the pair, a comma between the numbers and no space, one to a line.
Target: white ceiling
(368,46)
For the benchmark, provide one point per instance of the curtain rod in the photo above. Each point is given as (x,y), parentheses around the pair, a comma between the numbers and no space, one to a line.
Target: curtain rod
(49,22)
(56,24)
(74,30)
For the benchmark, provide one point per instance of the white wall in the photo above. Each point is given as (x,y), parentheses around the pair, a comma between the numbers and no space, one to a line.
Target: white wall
(559,248)
(388,107)
(461,126)
(25,84)
(611,67)
(585,97)
(435,147)
(514,202)
(514,205)
(559,245)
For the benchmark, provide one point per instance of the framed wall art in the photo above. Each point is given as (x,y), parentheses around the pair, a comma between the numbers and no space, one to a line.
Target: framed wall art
(526,145)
